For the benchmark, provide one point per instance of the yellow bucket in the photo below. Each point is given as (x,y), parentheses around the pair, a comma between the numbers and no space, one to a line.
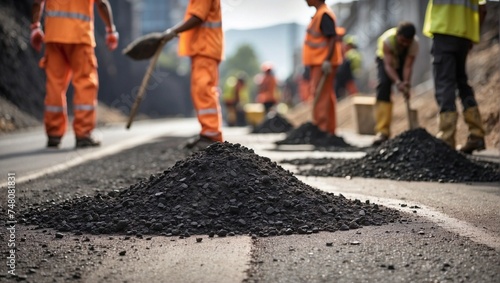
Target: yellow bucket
(254,113)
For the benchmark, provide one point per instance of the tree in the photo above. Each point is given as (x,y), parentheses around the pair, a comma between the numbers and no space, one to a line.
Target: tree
(244,60)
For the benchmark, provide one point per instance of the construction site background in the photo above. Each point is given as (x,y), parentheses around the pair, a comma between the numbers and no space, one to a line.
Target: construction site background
(22,83)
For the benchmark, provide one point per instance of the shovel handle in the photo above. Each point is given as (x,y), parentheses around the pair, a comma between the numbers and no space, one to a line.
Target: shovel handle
(408,111)
(144,83)
(319,88)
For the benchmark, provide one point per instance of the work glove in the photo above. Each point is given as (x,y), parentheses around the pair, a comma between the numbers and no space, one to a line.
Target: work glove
(169,34)
(36,37)
(326,67)
(404,87)
(111,38)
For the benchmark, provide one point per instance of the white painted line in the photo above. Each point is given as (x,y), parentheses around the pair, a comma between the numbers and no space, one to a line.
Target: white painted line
(451,224)
(80,158)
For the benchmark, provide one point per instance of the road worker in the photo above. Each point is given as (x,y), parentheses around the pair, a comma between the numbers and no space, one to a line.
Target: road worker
(322,54)
(69,55)
(235,97)
(397,49)
(266,93)
(350,70)
(201,38)
(454,27)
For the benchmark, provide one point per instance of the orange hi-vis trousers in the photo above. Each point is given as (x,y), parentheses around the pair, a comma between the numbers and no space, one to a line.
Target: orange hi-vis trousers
(205,95)
(64,62)
(324,109)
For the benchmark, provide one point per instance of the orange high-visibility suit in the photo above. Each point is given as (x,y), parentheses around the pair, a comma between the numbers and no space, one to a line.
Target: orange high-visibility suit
(315,51)
(267,90)
(69,55)
(204,45)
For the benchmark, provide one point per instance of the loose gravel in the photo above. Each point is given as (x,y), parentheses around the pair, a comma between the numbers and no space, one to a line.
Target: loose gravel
(411,156)
(309,133)
(225,190)
(275,123)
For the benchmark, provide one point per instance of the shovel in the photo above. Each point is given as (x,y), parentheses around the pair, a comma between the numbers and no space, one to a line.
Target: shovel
(411,115)
(145,46)
(143,49)
(319,88)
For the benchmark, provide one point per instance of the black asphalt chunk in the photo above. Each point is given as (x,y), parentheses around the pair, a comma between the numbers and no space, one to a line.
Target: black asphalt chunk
(411,156)
(225,190)
(274,123)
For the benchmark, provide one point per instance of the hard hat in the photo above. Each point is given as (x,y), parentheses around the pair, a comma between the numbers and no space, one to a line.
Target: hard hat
(350,39)
(266,66)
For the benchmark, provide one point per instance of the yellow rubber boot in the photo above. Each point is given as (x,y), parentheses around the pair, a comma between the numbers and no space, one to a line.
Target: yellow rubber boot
(475,141)
(383,116)
(448,127)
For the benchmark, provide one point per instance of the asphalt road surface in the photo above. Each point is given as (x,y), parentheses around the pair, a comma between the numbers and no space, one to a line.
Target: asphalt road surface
(449,232)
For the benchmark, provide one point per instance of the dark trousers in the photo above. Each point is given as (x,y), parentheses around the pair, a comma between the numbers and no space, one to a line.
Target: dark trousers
(450,56)
(384,82)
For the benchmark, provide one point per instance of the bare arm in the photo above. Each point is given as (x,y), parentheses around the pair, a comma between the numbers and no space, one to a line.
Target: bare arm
(36,11)
(331,47)
(187,25)
(482,14)
(106,14)
(407,69)
(388,65)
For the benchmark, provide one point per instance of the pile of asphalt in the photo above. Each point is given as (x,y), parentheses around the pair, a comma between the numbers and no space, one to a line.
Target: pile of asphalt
(308,133)
(225,190)
(411,156)
(274,123)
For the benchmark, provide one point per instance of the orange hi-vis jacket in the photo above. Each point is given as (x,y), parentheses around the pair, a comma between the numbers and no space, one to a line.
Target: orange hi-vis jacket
(206,39)
(69,21)
(267,89)
(316,44)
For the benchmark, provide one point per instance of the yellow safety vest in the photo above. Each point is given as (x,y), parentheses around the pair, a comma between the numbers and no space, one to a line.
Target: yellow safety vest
(391,35)
(453,17)
(356,59)
(228,94)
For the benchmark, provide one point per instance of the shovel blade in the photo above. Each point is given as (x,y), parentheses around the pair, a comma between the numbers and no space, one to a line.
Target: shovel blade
(144,47)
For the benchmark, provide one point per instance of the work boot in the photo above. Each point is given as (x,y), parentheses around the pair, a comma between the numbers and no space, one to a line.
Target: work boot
(87,142)
(475,140)
(383,116)
(473,143)
(379,139)
(447,127)
(53,142)
(199,143)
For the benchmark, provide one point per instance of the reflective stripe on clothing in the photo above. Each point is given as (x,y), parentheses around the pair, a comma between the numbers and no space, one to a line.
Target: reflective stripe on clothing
(54,109)
(208,111)
(206,39)
(69,21)
(85,107)
(315,49)
(313,33)
(212,24)
(205,95)
(467,3)
(62,63)
(63,14)
(211,134)
(316,45)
